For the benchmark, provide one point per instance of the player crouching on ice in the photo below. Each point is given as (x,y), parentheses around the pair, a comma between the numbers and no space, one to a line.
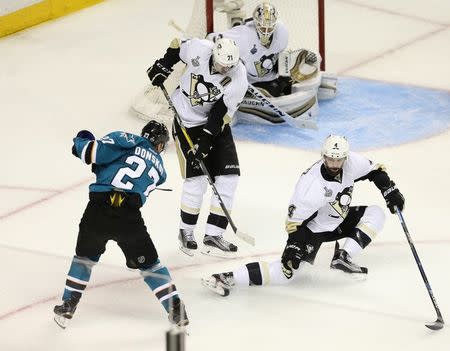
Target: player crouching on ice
(320,211)
(291,79)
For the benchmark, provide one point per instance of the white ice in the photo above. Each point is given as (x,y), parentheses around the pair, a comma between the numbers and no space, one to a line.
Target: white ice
(82,71)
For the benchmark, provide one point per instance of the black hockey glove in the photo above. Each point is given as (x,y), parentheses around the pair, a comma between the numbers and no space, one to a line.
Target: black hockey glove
(291,258)
(202,147)
(158,73)
(84,134)
(393,197)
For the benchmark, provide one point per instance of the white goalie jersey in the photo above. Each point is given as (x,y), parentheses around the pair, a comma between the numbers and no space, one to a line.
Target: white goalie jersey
(260,62)
(328,198)
(200,86)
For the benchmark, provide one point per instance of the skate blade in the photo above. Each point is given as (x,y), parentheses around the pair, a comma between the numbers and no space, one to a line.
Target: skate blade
(215,288)
(62,322)
(215,252)
(187,251)
(352,276)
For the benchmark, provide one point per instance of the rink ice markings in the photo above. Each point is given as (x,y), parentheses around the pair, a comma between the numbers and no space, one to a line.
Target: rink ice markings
(392,50)
(395,13)
(53,193)
(45,300)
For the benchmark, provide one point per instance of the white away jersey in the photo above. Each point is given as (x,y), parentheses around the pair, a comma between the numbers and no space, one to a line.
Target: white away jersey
(260,62)
(200,88)
(330,199)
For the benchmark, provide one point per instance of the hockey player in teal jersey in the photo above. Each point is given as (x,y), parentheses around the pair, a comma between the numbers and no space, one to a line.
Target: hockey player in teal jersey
(127,168)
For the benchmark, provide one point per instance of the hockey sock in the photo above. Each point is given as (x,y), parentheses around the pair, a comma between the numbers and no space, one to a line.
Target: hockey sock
(157,277)
(78,276)
(247,275)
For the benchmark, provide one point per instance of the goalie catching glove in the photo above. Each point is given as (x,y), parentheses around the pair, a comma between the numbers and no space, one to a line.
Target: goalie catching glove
(298,64)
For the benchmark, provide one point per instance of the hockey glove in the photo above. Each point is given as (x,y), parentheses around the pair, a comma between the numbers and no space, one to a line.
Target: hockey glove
(85,134)
(393,197)
(202,147)
(291,258)
(311,58)
(158,73)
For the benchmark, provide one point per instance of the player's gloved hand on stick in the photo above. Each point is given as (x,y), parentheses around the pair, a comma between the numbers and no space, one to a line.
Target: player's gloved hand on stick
(292,256)
(202,147)
(158,73)
(393,197)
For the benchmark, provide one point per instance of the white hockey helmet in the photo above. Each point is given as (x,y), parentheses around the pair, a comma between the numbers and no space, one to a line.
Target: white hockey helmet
(336,147)
(265,18)
(225,54)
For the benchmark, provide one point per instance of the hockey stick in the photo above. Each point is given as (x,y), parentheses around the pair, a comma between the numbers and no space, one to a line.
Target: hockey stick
(439,323)
(245,237)
(294,122)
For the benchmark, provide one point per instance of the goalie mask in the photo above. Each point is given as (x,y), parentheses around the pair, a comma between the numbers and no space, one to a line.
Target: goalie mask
(156,133)
(225,55)
(265,18)
(334,152)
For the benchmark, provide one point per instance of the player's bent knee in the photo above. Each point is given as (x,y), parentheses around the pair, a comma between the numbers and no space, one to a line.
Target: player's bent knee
(375,215)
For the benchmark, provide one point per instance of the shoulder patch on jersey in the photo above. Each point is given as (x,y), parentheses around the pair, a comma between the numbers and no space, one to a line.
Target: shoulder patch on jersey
(328,192)
(195,61)
(128,137)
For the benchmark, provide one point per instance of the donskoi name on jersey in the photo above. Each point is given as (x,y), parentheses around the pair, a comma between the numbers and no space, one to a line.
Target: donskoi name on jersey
(148,155)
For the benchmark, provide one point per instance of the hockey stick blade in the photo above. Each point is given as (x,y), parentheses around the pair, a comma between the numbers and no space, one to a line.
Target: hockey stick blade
(437,325)
(245,237)
(293,122)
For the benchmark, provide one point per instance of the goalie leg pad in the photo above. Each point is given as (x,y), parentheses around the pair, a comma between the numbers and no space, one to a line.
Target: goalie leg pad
(328,86)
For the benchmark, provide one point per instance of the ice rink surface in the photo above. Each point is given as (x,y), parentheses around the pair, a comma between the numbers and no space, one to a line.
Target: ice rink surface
(82,71)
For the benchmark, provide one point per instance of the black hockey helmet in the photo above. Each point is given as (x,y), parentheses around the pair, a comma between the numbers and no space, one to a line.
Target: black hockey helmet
(156,133)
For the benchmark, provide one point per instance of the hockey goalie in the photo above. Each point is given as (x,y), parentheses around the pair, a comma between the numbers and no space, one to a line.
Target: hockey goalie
(291,79)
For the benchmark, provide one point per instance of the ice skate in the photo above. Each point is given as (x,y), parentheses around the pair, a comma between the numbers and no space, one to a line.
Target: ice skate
(217,246)
(177,314)
(342,261)
(187,241)
(220,283)
(65,312)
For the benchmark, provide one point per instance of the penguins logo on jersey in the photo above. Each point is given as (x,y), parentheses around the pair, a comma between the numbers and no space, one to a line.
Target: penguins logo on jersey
(265,64)
(341,204)
(202,91)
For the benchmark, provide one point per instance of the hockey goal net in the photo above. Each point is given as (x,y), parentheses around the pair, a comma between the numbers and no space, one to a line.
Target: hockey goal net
(305,20)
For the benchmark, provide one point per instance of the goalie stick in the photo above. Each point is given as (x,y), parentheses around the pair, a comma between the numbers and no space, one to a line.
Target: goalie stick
(294,122)
(245,237)
(439,323)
